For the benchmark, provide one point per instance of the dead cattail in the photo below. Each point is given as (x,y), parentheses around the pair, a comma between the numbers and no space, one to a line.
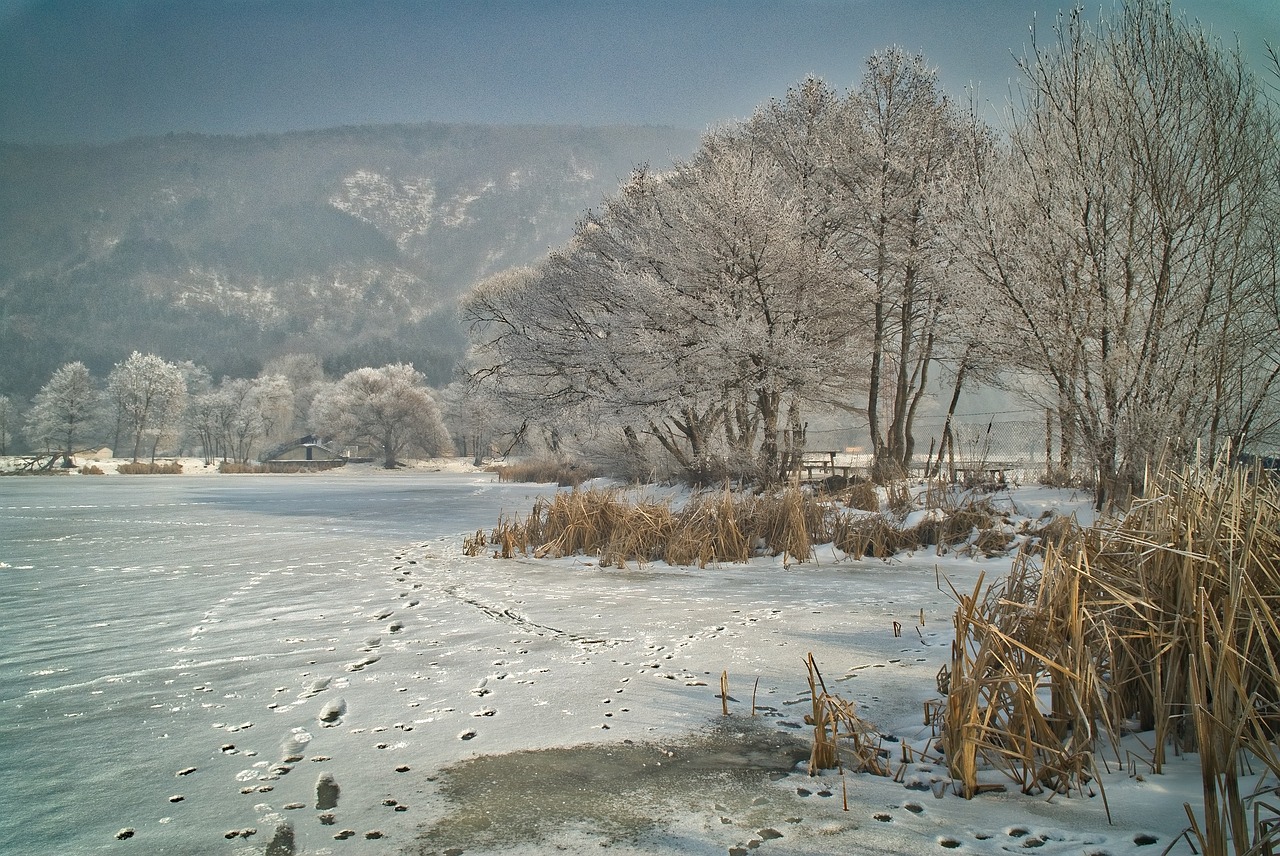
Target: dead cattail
(1163,618)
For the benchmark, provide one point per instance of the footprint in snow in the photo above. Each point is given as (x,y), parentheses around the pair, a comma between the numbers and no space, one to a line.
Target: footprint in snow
(317,686)
(331,714)
(295,744)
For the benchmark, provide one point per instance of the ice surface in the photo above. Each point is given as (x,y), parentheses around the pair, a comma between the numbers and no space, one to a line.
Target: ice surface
(172,648)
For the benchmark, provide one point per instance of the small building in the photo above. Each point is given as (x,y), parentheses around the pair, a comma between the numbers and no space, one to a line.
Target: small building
(309,453)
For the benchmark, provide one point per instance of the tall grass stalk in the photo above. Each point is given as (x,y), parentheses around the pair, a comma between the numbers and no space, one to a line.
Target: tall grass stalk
(1162,622)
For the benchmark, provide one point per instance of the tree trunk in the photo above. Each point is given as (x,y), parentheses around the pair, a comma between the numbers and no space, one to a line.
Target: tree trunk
(873,393)
(948,439)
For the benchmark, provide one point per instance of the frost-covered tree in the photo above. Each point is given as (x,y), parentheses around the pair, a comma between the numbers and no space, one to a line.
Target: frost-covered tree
(149,397)
(885,163)
(63,409)
(205,420)
(390,408)
(304,374)
(692,309)
(732,331)
(233,420)
(879,171)
(481,426)
(795,263)
(8,417)
(1130,232)
(274,397)
(242,417)
(897,184)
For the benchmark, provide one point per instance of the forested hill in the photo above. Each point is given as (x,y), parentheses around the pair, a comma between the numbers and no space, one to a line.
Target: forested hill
(351,243)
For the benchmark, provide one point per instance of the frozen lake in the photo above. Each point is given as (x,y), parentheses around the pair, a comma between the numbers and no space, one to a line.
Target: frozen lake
(191,659)
(136,611)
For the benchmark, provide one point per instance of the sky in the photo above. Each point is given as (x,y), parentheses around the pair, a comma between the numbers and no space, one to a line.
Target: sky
(103,70)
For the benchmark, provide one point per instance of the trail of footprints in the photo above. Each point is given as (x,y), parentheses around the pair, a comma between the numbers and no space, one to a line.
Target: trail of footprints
(260,779)
(1008,840)
(648,659)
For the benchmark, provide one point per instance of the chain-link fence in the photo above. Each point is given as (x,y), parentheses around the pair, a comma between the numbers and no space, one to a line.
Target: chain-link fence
(1016,450)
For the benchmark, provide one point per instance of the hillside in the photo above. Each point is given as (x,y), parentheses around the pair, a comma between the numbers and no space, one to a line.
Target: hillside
(352,243)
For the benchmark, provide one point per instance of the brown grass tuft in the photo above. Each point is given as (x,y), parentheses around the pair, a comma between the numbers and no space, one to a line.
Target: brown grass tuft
(234,468)
(560,471)
(724,526)
(1163,622)
(143,468)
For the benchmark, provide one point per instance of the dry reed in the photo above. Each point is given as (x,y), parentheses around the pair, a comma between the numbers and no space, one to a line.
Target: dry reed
(251,468)
(172,468)
(1163,622)
(840,734)
(560,471)
(864,496)
(724,526)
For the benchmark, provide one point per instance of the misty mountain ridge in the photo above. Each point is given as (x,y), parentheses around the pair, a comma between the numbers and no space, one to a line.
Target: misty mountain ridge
(353,243)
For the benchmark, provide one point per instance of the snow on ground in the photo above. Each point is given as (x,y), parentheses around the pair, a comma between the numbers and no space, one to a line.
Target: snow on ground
(199,661)
(197,467)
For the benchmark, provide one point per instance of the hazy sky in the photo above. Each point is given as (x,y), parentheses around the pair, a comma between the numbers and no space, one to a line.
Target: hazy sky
(73,70)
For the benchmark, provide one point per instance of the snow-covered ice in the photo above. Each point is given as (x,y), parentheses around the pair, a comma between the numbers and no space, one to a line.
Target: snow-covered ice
(197,661)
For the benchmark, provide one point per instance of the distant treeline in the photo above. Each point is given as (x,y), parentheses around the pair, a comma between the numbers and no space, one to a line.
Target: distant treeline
(352,243)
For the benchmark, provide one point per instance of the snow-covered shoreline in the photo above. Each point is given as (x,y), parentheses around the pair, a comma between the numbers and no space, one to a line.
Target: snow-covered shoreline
(229,642)
(197,467)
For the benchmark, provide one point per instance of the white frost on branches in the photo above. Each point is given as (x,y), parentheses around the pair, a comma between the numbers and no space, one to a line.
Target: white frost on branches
(390,408)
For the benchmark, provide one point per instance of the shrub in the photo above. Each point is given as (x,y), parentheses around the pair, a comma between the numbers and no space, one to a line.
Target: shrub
(140,468)
(236,468)
(91,470)
(559,471)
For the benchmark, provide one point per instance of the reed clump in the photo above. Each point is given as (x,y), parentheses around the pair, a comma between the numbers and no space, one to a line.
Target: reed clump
(253,468)
(548,470)
(171,468)
(1163,622)
(862,495)
(841,739)
(720,526)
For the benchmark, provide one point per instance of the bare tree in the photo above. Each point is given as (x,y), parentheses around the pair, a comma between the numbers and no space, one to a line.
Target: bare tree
(388,407)
(63,408)
(205,418)
(1128,233)
(242,422)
